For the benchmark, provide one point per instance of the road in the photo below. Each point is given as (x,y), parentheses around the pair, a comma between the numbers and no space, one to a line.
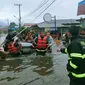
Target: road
(35,70)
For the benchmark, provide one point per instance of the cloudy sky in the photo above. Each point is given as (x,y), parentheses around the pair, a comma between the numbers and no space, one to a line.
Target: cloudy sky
(63,9)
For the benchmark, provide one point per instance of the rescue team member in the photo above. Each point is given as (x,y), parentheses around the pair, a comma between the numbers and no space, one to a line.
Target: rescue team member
(76,61)
(14,47)
(9,37)
(50,40)
(66,39)
(41,43)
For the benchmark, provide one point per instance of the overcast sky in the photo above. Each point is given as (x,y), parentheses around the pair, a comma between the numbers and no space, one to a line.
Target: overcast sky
(63,9)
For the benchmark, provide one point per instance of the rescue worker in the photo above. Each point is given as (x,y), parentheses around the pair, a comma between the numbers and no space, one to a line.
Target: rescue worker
(76,61)
(41,43)
(66,39)
(14,47)
(50,40)
(9,38)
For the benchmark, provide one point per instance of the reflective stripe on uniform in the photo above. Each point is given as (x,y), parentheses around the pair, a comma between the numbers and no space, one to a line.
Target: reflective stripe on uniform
(73,65)
(76,55)
(84,56)
(82,42)
(66,51)
(69,58)
(79,75)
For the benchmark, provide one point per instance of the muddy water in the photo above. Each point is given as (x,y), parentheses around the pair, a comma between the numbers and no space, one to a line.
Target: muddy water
(34,69)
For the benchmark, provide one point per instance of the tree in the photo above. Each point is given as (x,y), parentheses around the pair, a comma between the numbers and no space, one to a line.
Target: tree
(22,28)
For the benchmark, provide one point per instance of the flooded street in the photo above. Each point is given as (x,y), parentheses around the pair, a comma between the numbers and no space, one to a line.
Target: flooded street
(35,70)
(2,38)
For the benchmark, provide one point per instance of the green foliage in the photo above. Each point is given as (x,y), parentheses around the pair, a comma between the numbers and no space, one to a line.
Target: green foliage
(22,28)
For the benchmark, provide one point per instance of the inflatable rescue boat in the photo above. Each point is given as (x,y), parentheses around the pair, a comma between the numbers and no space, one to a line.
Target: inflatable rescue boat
(26,47)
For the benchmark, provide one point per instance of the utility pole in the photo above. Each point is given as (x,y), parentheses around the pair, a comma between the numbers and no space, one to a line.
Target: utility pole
(55,22)
(7,21)
(19,5)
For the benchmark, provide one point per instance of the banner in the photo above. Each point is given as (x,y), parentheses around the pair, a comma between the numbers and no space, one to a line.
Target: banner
(81,8)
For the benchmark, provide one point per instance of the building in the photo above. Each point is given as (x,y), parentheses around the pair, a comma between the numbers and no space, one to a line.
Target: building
(31,26)
(61,26)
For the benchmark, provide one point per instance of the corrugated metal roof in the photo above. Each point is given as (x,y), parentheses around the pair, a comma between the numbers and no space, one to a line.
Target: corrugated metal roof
(59,23)
(29,24)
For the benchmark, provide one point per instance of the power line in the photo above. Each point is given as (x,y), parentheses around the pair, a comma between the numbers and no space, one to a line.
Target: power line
(35,10)
(38,16)
(44,10)
(45,2)
(40,6)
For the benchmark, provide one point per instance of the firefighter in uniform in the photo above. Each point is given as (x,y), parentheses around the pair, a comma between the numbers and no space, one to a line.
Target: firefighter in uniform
(76,61)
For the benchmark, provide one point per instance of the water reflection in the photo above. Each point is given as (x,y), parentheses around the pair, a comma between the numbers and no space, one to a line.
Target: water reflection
(10,65)
(9,78)
(44,65)
(15,68)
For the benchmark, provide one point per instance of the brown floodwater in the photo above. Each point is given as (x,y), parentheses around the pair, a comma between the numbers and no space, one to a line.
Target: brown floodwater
(32,69)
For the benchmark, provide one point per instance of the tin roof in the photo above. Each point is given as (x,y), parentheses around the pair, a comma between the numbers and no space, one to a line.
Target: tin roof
(59,23)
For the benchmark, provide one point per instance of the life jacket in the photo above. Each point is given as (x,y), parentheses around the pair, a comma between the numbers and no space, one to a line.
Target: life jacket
(42,43)
(13,49)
